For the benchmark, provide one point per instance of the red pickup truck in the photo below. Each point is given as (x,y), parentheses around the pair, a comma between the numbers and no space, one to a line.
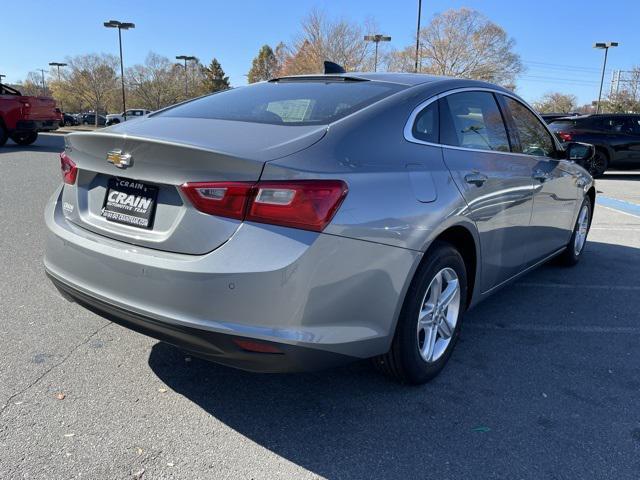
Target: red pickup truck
(22,117)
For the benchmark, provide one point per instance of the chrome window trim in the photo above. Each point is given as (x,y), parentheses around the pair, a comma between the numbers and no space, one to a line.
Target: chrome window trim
(408,127)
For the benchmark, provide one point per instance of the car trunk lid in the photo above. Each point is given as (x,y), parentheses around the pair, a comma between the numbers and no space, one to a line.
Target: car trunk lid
(162,154)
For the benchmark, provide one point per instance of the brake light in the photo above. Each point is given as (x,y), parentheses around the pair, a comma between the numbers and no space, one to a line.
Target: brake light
(68,169)
(303,204)
(226,199)
(565,137)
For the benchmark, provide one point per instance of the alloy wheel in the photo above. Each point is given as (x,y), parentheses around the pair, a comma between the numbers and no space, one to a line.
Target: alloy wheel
(438,315)
(582,228)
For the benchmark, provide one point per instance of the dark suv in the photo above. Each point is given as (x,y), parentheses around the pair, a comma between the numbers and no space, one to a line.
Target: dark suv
(615,136)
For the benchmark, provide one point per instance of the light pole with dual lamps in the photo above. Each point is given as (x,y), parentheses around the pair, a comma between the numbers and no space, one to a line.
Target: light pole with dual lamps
(186,58)
(376,39)
(604,46)
(120,26)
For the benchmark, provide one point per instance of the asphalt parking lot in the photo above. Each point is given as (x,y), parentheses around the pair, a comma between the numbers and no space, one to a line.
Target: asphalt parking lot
(545,382)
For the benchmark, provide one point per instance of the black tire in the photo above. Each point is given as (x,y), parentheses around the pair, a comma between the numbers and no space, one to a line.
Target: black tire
(572,255)
(598,164)
(25,139)
(404,361)
(3,134)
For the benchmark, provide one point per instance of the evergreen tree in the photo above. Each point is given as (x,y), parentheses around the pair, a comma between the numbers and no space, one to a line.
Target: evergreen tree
(214,77)
(264,65)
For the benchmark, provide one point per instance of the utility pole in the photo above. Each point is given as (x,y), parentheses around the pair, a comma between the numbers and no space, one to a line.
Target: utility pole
(44,92)
(376,39)
(418,35)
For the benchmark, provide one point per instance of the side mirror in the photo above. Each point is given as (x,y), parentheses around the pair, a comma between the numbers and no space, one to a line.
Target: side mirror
(579,152)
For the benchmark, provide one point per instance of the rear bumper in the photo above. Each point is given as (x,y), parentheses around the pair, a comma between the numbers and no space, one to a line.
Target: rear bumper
(36,125)
(214,346)
(322,299)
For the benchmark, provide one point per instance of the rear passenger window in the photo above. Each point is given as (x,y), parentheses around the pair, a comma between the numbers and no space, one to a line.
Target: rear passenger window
(425,127)
(472,120)
(534,137)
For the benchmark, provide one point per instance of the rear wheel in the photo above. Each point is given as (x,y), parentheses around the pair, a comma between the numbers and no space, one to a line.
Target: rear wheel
(25,138)
(3,135)
(598,164)
(429,324)
(573,252)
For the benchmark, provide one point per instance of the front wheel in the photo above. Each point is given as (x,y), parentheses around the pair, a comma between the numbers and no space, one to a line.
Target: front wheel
(573,252)
(25,139)
(598,164)
(3,135)
(430,320)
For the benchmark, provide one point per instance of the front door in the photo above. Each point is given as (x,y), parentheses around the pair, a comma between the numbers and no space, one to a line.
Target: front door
(496,184)
(555,186)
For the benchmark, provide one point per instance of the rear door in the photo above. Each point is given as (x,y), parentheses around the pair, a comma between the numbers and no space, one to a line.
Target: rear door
(555,186)
(495,183)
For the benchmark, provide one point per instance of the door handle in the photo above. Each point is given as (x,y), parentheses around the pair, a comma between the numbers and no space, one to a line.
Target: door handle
(476,178)
(540,175)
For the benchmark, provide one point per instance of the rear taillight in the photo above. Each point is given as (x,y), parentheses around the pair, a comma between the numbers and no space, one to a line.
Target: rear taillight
(68,168)
(565,137)
(226,199)
(304,204)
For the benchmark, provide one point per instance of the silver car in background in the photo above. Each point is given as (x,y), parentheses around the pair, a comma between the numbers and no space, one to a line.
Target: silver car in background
(310,221)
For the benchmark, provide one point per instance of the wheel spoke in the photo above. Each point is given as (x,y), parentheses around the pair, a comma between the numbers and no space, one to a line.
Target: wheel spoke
(444,329)
(448,294)
(430,336)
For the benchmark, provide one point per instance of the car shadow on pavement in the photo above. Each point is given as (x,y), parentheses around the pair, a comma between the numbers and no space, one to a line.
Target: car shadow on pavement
(44,144)
(523,392)
(621,176)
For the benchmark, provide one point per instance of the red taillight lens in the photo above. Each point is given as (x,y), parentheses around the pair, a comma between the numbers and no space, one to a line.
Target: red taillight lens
(226,199)
(68,168)
(304,204)
(565,137)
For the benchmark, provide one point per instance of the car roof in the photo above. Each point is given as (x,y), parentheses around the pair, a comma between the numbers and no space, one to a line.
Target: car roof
(401,78)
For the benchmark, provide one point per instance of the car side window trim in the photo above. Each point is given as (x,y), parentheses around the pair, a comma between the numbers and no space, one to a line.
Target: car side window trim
(408,128)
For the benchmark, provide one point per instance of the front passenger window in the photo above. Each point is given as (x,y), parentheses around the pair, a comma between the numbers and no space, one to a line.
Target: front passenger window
(535,139)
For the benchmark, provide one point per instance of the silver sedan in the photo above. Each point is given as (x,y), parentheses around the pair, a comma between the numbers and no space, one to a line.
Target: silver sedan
(310,221)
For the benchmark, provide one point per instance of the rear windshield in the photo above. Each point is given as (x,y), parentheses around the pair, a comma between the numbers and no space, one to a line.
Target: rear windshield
(287,102)
(558,125)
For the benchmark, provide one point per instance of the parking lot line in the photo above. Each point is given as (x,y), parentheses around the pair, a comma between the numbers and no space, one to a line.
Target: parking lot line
(621,206)
(553,328)
(577,285)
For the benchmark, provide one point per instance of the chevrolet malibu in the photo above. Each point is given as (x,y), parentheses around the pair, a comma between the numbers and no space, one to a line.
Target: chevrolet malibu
(309,221)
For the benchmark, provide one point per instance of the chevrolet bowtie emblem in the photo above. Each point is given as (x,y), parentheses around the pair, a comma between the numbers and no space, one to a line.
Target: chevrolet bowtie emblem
(119,159)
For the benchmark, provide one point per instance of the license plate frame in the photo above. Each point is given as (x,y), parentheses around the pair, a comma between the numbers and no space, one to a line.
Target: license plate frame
(130,202)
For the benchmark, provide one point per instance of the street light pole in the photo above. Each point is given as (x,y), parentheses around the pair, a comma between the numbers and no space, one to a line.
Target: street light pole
(120,26)
(186,58)
(376,39)
(58,65)
(606,46)
(418,35)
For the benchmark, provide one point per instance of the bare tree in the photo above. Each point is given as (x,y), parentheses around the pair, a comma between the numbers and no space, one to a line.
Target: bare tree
(464,43)
(323,39)
(93,79)
(157,83)
(32,85)
(556,102)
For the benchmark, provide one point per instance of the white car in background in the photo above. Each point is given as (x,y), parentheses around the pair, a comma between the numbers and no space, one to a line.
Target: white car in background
(114,118)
